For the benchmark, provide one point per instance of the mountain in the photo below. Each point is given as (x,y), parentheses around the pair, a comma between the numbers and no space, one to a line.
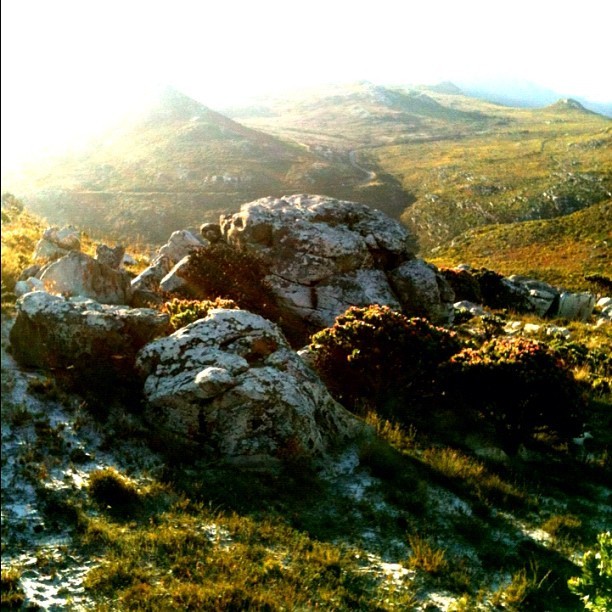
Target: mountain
(439,161)
(359,114)
(174,164)
(522,93)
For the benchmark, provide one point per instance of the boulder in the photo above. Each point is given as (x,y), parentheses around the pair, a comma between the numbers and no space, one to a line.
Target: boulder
(542,298)
(174,282)
(576,306)
(232,384)
(78,274)
(51,331)
(211,232)
(110,256)
(29,284)
(465,306)
(179,244)
(150,277)
(423,291)
(324,255)
(56,243)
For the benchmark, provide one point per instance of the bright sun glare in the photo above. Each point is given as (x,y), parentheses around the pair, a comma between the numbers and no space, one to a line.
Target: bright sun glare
(71,66)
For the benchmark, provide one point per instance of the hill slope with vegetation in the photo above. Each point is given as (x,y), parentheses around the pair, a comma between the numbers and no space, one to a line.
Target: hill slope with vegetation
(572,251)
(468,492)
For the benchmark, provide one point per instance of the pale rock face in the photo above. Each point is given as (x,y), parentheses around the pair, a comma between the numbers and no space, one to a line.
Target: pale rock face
(51,331)
(149,278)
(325,255)
(423,291)
(26,286)
(174,281)
(576,306)
(79,274)
(231,383)
(56,243)
(180,245)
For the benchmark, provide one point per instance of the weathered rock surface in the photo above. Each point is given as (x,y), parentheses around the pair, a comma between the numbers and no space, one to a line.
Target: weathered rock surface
(56,243)
(423,291)
(324,255)
(174,280)
(576,306)
(179,245)
(110,256)
(53,332)
(78,274)
(231,383)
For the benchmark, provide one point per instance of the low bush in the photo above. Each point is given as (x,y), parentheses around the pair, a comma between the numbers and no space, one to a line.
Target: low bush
(594,586)
(377,356)
(220,271)
(183,312)
(520,386)
(113,491)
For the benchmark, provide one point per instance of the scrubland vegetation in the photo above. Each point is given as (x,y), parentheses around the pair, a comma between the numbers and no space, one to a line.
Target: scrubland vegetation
(469,487)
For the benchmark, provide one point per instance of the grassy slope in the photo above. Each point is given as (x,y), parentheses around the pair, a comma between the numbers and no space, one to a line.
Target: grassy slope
(178,166)
(561,251)
(208,536)
(532,164)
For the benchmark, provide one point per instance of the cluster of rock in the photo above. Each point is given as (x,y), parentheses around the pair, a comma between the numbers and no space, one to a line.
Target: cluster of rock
(62,269)
(526,295)
(324,255)
(231,382)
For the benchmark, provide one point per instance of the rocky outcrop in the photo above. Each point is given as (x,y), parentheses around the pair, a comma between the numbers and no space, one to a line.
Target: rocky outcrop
(423,291)
(56,243)
(78,274)
(231,383)
(325,255)
(179,245)
(520,294)
(54,332)
(110,256)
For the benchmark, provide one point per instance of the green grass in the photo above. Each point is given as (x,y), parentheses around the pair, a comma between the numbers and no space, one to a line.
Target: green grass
(563,251)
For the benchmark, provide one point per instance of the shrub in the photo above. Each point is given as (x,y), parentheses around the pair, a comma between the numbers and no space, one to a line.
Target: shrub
(13,596)
(374,355)
(594,586)
(113,491)
(518,385)
(220,271)
(183,312)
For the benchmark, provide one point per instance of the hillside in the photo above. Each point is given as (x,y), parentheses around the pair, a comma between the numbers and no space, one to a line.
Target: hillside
(440,161)
(428,504)
(561,251)
(176,164)
(534,164)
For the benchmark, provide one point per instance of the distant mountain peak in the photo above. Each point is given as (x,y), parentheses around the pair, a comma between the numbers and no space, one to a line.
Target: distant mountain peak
(568,104)
(446,87)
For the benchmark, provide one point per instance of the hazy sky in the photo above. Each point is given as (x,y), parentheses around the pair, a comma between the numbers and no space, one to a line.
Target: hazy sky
(69,64)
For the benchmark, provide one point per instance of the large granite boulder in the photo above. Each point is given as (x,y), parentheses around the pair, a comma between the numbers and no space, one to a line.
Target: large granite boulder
(232,384)
(56,243)
(54,332)
(324,255)
(180,244)
(78,274)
